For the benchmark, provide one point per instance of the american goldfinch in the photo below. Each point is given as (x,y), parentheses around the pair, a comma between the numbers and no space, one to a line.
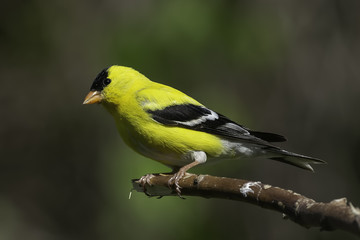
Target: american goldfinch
(168,126)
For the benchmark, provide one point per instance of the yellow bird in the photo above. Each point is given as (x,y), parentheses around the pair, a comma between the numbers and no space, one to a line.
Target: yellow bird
(168,126)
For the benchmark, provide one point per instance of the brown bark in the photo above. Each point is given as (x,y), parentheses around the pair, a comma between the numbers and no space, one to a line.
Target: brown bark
(337,214)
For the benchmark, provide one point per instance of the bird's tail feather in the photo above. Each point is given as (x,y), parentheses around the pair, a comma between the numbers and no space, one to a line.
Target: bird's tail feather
(297,160)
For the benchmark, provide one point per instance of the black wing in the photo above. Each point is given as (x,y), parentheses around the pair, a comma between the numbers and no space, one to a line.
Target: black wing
(200,118)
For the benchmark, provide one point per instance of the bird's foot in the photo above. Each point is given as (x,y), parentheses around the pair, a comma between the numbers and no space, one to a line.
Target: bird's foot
(174,181)
(146,180)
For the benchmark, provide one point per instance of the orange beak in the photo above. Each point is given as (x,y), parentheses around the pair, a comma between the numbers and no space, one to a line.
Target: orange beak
(93,97)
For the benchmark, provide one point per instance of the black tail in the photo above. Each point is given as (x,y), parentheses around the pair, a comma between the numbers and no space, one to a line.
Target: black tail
(297,160)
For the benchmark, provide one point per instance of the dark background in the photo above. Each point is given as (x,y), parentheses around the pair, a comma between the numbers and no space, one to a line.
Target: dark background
(290,67)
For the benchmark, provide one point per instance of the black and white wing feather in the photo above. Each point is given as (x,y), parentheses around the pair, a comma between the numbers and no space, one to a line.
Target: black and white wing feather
(200,118)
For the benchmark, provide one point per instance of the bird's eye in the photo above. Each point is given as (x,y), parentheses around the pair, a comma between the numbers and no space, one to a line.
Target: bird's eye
(107,81)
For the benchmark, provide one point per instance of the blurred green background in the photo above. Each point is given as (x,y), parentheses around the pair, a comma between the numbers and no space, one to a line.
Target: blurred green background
(290,67)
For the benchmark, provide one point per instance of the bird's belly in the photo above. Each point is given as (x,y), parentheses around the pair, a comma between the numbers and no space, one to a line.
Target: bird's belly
(171,159)
(177,158)
(170,145)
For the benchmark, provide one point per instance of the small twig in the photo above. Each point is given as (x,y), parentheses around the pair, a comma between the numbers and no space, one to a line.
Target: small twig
(337,214)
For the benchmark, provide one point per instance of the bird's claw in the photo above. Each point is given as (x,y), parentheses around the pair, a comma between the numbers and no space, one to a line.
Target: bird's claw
(146,180)
(174,181)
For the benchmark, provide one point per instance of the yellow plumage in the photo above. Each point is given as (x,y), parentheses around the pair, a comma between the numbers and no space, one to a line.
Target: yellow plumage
(129,98)
(168,126)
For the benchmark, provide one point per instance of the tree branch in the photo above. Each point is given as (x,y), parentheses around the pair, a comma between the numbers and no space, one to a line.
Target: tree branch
(337,214)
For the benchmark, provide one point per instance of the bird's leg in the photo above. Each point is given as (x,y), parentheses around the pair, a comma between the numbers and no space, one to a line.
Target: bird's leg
(174,180)
(198,157)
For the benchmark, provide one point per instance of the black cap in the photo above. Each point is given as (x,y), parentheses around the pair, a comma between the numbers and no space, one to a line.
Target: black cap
(100,81)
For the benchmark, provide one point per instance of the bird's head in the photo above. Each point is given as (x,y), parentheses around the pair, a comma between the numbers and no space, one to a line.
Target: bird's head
(112,83)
